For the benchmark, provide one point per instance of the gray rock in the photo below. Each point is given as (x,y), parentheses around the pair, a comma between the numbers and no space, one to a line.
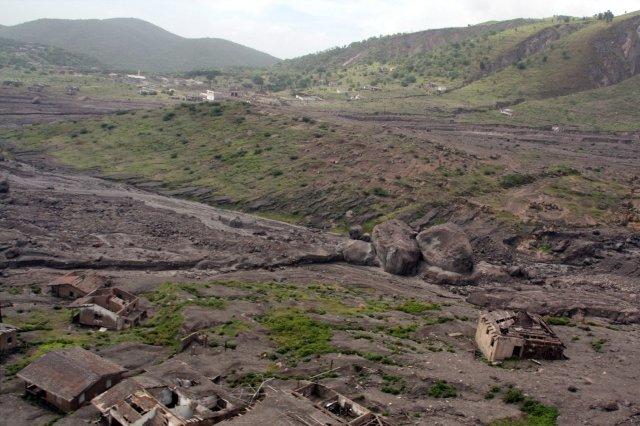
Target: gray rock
(355,232)
(236,222)
(447,247)
(359,253)
(396,247)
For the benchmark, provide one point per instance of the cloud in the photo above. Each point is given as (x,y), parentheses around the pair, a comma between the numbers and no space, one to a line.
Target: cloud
(288,28)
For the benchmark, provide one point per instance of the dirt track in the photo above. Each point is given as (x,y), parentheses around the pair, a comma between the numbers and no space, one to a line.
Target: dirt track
(20,108)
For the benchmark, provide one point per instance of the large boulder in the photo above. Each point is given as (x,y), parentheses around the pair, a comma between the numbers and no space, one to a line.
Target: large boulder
(359,253)
(396,247)
(447,247)
(355,232)
(4,186)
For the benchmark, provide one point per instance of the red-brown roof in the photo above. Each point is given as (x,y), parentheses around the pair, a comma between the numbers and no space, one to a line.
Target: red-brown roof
(83,281)
(68,372)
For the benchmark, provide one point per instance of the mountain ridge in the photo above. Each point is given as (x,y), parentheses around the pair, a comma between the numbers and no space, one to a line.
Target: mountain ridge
(131,44)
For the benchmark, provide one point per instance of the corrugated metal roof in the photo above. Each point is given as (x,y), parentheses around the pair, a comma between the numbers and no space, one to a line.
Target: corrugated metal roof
(66,373)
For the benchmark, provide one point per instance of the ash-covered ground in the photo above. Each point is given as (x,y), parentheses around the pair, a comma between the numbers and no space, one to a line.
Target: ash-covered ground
(287,306)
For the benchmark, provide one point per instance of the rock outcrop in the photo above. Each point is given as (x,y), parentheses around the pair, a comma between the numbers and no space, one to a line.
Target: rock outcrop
(4,186)
(359,253)
(447,247)
(396,247)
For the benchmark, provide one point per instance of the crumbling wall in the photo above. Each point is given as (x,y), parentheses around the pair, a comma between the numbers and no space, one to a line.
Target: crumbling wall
(494,346)
(97,316)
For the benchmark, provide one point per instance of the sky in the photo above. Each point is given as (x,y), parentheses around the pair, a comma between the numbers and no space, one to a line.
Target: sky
(290,28)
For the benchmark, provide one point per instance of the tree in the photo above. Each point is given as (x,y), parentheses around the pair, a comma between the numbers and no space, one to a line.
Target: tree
(608,16)
(257,80)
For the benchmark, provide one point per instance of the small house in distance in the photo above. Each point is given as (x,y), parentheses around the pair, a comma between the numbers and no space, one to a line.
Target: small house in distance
(507,334)
(69,378)
(8,338)
(109,307)
(77,284)
(209,96)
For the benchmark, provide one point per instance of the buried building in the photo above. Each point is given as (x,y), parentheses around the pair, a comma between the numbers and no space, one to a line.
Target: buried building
(340,408)
(507,334)
(152,400)
(110,307)
(8,338)
(77,284)
(69,378)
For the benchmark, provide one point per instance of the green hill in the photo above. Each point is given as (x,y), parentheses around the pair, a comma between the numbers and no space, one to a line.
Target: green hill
(599,54)
(32,56)
(132,44)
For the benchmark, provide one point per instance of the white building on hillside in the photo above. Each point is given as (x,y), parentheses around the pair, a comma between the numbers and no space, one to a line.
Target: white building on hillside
(209,95)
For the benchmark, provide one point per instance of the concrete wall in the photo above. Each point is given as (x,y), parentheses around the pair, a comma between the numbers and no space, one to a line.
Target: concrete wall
(97,316)
(8,341)
(496,347)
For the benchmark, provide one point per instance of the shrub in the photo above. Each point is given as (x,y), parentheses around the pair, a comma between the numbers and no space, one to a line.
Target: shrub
(168,116)
(558,320)
(597,345)
(380,192)
(393,385)
(442,389)
(513,396)
(539,414)
(516,179)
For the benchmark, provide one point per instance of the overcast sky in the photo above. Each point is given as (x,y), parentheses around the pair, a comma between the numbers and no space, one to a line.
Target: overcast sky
(289,28)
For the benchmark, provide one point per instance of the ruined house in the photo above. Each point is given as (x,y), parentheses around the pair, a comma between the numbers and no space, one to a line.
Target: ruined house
(77,284)
(8,338)
(69,378)
(148,400)
(340,408)
(507,334)
(109,307)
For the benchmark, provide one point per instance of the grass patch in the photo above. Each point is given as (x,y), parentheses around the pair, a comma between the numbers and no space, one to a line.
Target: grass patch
(393,385)
(416,307)
(297,335)
(564,321)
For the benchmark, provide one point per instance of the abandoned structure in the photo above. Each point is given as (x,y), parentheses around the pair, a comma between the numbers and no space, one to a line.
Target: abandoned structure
(506,334)
(109,307)
(69,378)
(151,400)
(77,284)
(209,95)
(337,406)
(8,338)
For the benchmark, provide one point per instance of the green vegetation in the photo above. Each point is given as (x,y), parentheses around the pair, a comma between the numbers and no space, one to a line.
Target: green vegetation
(416,307)
(148,46)
(296,335)
(558,321)
(598,344)
(535,413)
(442,389)
(513,395)
(394,385)
(514,180)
